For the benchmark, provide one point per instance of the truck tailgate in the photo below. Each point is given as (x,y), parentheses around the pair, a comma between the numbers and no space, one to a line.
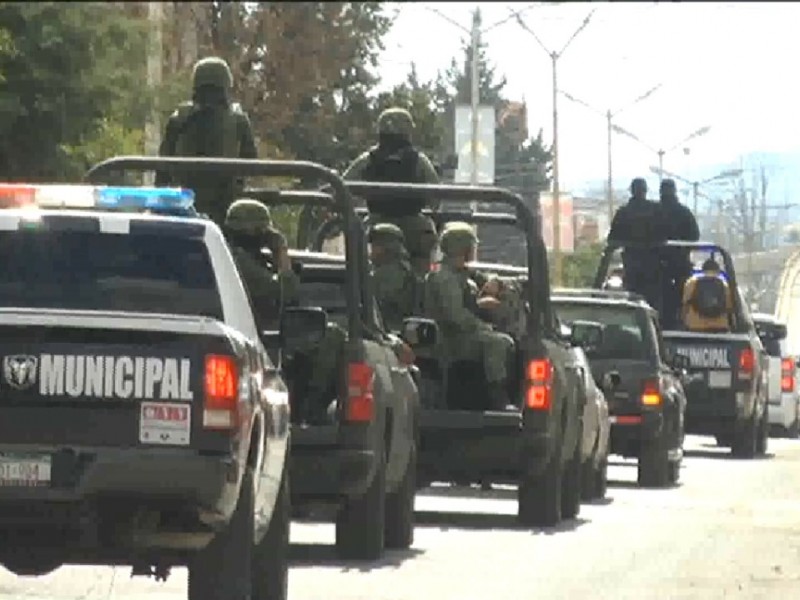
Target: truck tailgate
(94,380)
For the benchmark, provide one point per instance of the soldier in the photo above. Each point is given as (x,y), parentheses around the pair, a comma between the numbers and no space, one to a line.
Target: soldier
(680,224)
(395,159)
(248,229)
(636,225)
(451,299)
(394,282)
(209,126)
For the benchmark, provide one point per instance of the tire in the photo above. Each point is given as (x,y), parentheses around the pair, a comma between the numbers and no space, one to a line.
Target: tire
(271,554)
(653,467)
(794,430)
(744,441)
(361,522)
(674,472)
(223,569)
(571,481)
(399,528)
(762,442)
(539,498)
(588,481)
(601,479)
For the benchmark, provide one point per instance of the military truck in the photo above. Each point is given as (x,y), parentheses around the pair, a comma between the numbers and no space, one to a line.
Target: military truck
(726,389)
(536,446)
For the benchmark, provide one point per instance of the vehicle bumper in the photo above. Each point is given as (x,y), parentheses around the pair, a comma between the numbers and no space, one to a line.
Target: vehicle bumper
(321,468)
(784,412)
(715,411)
(90,481)
(628,431)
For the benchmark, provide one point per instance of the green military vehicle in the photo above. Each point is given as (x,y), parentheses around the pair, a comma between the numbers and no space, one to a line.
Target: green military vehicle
(537,446)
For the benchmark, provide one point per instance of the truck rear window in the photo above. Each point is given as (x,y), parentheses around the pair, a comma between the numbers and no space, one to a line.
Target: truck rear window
(100,271)
(623,337)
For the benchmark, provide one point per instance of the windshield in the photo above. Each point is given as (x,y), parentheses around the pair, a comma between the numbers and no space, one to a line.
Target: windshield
(623,335)
(100,271)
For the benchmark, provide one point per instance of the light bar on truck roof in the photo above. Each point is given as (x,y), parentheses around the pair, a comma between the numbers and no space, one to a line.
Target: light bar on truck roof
(176,201)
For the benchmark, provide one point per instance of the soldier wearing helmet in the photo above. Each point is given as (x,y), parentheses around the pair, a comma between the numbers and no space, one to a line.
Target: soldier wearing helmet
(395,160)
(210,125)
(453,300)
(248,229)
(393,280)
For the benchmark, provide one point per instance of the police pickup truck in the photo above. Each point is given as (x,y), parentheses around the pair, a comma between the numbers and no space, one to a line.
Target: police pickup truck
(363,460)
(141,421)
(726,388)
(462,441)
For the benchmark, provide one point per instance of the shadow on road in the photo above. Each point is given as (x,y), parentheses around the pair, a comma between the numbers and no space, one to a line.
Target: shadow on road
(723,454)
(458,491)
(324,555)
(445,521)
(633,485)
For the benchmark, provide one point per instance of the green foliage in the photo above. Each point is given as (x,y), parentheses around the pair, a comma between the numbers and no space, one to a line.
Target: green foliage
(69,67)
(580,267)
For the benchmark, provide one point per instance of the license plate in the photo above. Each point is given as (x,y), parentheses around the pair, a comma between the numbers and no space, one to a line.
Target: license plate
(719,379)
(25,471)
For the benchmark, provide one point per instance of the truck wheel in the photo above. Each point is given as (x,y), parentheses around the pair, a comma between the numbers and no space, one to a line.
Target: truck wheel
(601,479)
(588,481)
(539,498)
(762,442)
(361,522)
(744,441)
(571,494)
(654,463)
(271,555)
(794,429)
(399,531)
(223,568)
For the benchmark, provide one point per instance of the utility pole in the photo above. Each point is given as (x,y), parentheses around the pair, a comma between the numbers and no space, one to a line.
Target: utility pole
(610,177)
(474,95)
(660,166)
(695,194)
(155,58)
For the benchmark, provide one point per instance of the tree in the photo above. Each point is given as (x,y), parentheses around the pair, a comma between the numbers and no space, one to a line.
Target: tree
(66,68)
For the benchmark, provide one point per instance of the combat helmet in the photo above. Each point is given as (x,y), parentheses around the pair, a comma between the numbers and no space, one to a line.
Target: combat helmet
(396,121)
(457,237)
(248,215)
(212,71)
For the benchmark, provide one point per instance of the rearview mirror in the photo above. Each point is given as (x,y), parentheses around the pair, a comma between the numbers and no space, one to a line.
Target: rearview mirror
(420,333)
(610,381)
(302,328)
(586,334)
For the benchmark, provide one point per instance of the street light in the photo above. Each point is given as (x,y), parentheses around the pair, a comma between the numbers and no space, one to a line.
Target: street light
(728,174)
(661,152)
(475,36)
(608,115)
(554,56)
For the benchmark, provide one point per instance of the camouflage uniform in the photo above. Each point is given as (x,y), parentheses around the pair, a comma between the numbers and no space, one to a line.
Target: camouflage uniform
(393,281)
(209,126)
(248,228)
(395,126)
(451,300)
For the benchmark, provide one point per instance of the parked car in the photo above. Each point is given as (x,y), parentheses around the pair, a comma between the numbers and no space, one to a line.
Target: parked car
(782,390)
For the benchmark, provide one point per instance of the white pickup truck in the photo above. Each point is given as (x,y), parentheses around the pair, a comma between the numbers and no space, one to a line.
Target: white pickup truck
(782,390)
(142,422)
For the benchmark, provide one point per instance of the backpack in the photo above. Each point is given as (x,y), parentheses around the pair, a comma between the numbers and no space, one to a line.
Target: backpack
(211,131)
(709,297)
(399,166)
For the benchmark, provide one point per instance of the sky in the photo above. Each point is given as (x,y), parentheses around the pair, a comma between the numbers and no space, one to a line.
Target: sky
(726,66)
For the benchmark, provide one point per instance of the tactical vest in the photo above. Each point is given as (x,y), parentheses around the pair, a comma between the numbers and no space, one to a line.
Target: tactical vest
(399,166)
(208,130)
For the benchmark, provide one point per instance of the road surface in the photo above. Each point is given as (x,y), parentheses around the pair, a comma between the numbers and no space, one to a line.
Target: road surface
(730,530)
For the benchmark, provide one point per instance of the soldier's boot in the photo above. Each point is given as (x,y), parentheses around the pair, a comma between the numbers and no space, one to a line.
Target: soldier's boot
(498,396)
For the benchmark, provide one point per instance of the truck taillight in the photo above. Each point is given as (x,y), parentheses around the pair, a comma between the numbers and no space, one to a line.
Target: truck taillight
(360,399)
(220,409)
(651,393)
(747,362)
(539,375)
(787,375)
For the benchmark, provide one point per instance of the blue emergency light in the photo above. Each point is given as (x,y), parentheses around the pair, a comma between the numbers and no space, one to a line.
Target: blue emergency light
(167,201)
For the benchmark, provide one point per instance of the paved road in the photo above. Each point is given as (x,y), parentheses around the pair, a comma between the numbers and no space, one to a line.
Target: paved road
(730,530)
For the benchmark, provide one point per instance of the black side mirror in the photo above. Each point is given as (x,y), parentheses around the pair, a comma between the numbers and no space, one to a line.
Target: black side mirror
(586,334)
(610,381)
(302,328)
(420,333)
(680,362)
